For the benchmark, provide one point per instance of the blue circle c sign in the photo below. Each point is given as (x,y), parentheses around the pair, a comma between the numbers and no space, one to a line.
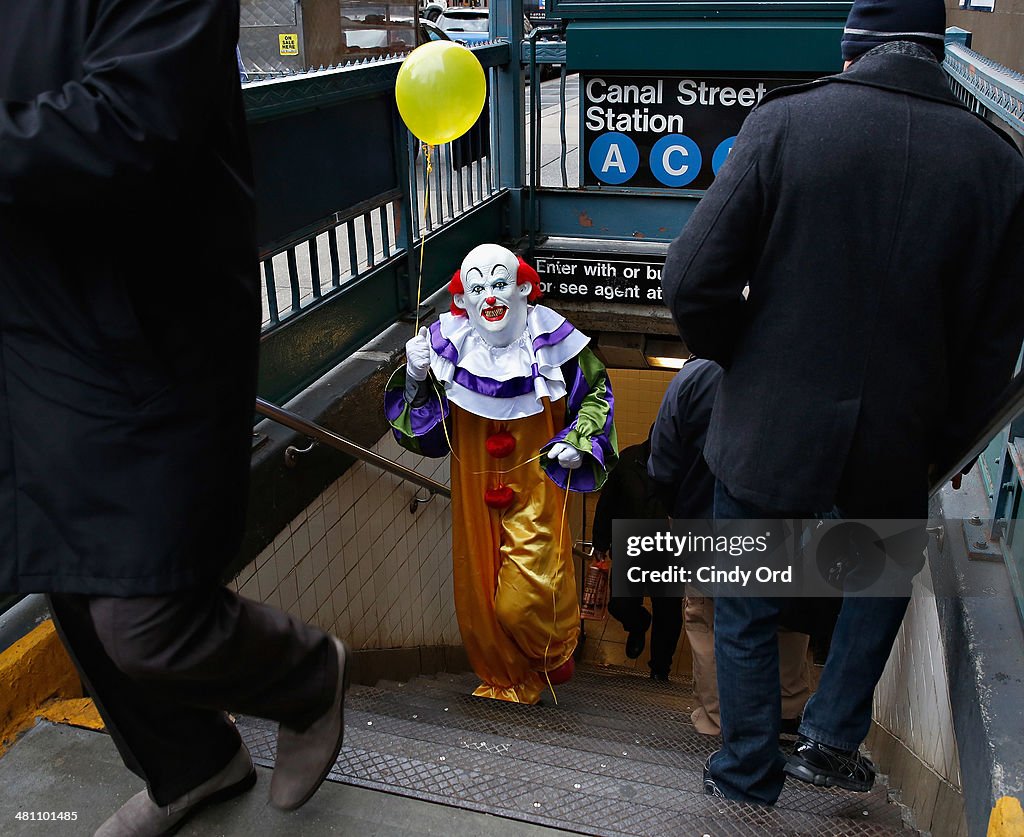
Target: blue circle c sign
(614,158)
(675,160)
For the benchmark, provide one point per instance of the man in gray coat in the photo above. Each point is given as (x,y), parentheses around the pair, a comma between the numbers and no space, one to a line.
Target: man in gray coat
(126,408)
(878,224)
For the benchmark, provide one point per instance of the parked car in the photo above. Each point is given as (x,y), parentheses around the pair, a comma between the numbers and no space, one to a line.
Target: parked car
(468,26)
(370,37)
(432,9)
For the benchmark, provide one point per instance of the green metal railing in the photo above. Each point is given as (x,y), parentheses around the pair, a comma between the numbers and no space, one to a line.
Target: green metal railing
(344,203)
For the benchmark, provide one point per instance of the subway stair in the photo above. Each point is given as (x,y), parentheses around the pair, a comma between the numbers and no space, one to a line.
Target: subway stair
(617,755)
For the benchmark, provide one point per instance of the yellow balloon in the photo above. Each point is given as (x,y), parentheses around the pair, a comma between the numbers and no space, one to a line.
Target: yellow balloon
(440,91)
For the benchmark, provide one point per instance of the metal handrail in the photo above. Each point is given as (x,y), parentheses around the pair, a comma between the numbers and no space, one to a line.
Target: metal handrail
(1011,406)
(293,421)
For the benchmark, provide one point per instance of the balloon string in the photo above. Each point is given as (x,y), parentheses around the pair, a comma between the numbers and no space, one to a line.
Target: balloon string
(423,234)
(554,584)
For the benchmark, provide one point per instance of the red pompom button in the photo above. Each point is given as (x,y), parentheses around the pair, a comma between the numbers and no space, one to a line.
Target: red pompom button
(562,674)
(500,497)
(501,444)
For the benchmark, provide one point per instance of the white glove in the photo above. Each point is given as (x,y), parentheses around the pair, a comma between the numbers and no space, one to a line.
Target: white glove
(567,455)
(417,356)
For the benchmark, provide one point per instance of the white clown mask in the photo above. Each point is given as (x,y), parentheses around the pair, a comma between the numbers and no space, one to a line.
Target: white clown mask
(494,303)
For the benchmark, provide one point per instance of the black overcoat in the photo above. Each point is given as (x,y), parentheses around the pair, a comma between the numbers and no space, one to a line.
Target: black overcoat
(129,303)
(880,226)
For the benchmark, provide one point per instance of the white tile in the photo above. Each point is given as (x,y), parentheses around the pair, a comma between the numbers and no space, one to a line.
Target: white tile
(316,527)
(345,495)
(376,525)
(282,536)
(307,605)
(348,526)
(334,542)
(297,521)
(300,540)
(322,588)
(304,574)
(284,557)
(274,598)
(320,556)
(264,555)
(289,592)
(246,573)
(250,589)
(267,578)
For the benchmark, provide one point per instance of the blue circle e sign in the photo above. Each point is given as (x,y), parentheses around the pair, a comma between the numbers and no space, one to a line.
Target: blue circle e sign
(721,154)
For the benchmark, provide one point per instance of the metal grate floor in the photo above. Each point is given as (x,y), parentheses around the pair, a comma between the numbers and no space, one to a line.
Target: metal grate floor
(616,756)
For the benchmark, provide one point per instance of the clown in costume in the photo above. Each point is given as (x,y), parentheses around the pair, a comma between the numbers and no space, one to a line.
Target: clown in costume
(527,410)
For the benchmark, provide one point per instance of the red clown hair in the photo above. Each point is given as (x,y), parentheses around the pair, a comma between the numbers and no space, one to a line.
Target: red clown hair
(524,274)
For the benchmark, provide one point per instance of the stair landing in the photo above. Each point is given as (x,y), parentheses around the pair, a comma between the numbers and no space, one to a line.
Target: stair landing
(617,755)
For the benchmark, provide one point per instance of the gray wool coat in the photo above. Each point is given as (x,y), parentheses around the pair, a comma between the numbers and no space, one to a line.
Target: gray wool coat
(880,227)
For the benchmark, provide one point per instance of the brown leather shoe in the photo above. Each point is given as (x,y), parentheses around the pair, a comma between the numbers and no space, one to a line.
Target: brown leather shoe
(140,816)
(305,758)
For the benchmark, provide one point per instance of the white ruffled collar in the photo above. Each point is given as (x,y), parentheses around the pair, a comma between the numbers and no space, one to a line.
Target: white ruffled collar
(507,382)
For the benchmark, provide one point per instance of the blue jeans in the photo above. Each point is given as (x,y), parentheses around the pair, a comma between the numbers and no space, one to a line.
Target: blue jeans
(748,768)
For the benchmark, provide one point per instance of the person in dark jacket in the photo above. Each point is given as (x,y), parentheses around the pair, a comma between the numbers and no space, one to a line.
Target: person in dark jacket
(687,488)
(125,423)
(876,336)
(631,494)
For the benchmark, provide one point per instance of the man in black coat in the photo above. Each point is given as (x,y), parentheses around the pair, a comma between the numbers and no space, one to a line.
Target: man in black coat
(129,324)
(878,330)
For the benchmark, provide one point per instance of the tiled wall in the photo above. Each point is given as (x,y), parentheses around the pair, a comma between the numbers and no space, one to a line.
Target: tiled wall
(638,395)
(913,740)
(357,563)
(912,699)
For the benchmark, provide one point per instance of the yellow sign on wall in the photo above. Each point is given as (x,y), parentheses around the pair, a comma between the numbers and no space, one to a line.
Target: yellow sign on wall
(289,43)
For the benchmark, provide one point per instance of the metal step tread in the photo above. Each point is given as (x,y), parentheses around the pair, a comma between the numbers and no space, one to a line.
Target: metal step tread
(583,706)
(516,778)
(520,721)
(567,767)
(678,763)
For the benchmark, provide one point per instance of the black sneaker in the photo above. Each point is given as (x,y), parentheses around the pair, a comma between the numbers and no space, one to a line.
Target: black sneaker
(660,676)
(710,787)
(828,767)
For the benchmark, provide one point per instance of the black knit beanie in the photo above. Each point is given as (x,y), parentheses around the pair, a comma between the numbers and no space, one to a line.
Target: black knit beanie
(875,22)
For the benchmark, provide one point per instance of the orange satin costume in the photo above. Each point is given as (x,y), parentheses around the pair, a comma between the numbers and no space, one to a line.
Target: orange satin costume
(515,586)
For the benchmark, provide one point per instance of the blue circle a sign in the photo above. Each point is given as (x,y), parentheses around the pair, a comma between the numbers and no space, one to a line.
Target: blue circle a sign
(614,158)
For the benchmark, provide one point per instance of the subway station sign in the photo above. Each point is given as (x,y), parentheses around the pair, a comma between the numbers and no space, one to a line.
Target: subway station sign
(594,278)
(664,131)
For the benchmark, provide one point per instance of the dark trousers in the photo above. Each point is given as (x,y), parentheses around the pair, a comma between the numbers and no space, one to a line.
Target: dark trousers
(748,767)
(666,625)
(163,670)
